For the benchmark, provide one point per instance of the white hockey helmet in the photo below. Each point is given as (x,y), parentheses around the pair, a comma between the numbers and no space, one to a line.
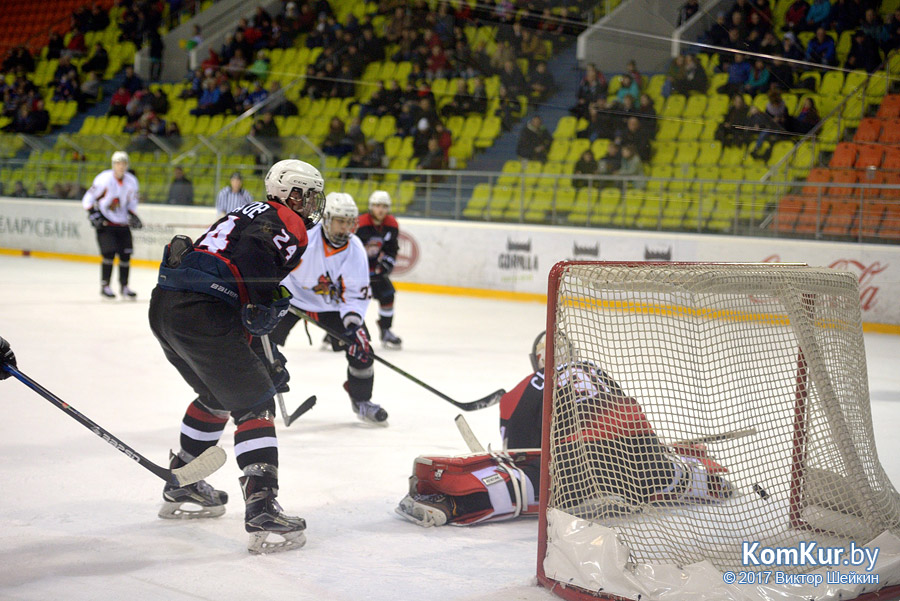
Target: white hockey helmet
(297,181)
(119,156)
(341,206)
(379,197)
(537,351)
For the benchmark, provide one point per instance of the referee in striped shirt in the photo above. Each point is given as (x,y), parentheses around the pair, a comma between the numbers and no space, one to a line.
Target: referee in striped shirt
(233,196)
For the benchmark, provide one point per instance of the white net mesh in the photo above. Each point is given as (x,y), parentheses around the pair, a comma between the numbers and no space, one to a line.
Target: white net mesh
(775,351)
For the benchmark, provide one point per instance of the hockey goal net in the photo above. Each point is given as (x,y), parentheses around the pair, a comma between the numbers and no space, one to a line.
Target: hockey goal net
(758,369)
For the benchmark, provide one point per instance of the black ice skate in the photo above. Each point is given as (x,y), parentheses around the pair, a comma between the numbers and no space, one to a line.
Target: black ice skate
(128,293)
(428,510)
(106,291)
(264,516)
(390,340)
(197,500)
(370,412)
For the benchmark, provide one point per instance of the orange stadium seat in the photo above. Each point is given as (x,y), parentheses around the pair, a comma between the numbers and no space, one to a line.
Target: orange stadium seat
(869,156)
(816,175)
(890,107)
(869,130)
(844,176)
(789,209)
(844,155)
(890,132)
(840,219)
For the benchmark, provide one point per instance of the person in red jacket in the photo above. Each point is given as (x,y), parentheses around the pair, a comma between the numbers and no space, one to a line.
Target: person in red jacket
(630,467)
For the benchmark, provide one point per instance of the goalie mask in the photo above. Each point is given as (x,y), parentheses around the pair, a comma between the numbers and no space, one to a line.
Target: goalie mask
(340,218)
(537,351)
(299,186)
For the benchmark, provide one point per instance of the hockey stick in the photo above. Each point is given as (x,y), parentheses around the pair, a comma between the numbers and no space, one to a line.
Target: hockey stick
(733,435)
(467,435)
(199,468)
(491,399)
(304,407)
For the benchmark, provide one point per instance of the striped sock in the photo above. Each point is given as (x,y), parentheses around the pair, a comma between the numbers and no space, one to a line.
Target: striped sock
(255,442)
(201,428)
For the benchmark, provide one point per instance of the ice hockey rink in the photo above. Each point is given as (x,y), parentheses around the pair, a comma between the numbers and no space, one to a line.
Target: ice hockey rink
(78,520)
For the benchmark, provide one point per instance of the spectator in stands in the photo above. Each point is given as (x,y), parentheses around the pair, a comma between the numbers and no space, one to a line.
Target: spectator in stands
(534,141)
(181,190)
(541,83)
(437,65)
(98,62)
(585,165)
(511,77)
(508,108)
(119,102)
(738,74)
(873,26)
(66,89)
(601,122)
(636,135)
(434,157)
(647,113)
(632,70)
(892,32)
(795,16)
(821,49)
(631,166)
(611,161)
(460,103)
(758,81)
(236,65)
(817,16)
(359,159)
(717,34)
(864,53)
(89,90)
(40,190)
(19,190)
(791,50)
(629,87)
(845,15)
(687,10)
(76,46)
(155,53)
(18,61)
(781,75)
(132,80)
(769,44)
(336,142)
(807,117)
(592,86)
(778,121)
(692,79)
(54,46)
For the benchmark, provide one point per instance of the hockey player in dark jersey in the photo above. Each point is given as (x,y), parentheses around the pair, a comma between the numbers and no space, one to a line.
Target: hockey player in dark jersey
(630,466)
(214,297)
(379,232)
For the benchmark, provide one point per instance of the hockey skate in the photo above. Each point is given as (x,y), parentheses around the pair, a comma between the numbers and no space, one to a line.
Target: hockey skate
(428,510)
(106,291)
(370,412)
(197,500)
(128,293)
(390,340)
(264,516)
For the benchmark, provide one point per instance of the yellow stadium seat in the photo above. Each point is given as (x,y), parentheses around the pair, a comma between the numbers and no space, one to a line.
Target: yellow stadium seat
(695,107)
(709,154)
(565,128)
(490,130)
(599,147)
(832,83)
(577,146)
(690,131)
(674,106)
(668,130)
(559,149)
(716,106)
(852,81)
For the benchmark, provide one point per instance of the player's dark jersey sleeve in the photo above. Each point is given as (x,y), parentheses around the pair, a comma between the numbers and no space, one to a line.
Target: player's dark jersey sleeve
(391,237)
(521,413)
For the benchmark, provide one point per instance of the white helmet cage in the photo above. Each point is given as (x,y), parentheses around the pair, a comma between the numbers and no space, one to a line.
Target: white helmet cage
(537,351)
(119,156)
(286,177)
(380,197)
(340,205)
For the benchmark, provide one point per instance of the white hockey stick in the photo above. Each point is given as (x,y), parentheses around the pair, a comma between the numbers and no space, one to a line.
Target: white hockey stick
(468,436)
(303,408)
(732,435)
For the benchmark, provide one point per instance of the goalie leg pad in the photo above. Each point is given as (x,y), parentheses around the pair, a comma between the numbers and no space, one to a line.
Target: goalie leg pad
(495,486)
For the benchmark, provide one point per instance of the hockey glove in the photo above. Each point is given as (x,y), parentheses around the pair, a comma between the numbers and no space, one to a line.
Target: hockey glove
(277,371)
(385,265)
(360,349)
(6,358)
(134,221)
(261,319)
(97,218)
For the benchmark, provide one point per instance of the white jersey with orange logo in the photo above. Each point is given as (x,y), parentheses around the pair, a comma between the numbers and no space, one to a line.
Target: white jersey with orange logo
(114,198)
(331,279)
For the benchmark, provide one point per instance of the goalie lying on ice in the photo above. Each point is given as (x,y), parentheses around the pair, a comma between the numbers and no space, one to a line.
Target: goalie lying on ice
(604,443)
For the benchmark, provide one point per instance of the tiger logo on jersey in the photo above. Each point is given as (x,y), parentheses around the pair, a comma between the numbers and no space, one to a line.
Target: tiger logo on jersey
(332,291)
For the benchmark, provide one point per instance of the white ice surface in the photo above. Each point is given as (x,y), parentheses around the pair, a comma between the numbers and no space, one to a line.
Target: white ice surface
(78,520)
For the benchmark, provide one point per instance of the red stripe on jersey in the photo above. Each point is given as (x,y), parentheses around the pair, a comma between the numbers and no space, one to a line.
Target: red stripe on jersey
(242,288)
(254,424)
(510,400)
(200,414)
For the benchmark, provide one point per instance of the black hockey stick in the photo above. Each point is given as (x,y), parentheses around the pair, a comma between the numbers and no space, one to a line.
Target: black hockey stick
(209,461)
(304,407)
(491,399)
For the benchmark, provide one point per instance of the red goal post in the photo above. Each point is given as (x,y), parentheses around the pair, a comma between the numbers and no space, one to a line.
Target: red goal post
(715,351)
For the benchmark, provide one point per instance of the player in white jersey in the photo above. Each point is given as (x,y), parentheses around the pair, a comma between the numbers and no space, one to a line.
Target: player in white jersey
(111,202)
(331,285)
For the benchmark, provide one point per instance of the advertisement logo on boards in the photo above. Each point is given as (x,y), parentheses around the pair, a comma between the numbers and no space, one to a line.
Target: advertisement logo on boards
(585,252)
(656,254)
(407,254)
(866,273)
(518,257)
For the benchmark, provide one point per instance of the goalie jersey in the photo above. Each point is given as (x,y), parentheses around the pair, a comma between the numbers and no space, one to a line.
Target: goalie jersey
(112,197)
(331,279)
